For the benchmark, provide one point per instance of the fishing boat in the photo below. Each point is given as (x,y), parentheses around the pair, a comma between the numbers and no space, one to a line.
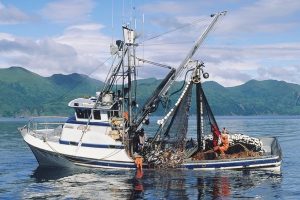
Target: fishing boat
(106,130)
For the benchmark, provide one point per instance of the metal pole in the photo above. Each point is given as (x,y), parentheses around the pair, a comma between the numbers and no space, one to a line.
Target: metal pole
(199,115)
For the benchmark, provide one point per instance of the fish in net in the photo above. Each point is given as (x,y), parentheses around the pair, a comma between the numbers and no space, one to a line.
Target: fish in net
(167,147)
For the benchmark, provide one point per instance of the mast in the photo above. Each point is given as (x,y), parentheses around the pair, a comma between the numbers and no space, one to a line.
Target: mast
(129,89)
(199,115)
(199,102)
(129,40)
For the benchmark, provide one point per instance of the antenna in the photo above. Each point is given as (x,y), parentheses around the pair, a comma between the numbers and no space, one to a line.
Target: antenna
(143,35)
(123,13)
(112,21)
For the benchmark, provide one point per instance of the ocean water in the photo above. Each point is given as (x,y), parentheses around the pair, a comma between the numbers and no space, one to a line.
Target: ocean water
(21,178)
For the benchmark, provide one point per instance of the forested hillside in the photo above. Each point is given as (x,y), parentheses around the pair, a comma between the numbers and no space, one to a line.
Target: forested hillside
(24,93)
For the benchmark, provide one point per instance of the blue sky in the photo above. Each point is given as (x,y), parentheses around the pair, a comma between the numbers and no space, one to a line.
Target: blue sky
(255,40)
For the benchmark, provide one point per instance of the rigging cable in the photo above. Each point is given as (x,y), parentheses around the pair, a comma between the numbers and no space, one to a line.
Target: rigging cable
(175,29)
(110,71)
(69,91)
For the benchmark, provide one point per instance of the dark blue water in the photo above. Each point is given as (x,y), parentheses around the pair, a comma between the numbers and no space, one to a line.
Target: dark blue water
(21,178)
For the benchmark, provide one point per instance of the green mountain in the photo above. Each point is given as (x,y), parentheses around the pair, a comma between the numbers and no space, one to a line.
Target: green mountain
(24,93)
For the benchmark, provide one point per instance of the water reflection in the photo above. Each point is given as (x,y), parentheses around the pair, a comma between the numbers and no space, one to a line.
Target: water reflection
(138,187)
(238,184)
(151,184)
(44,174)
(219,186)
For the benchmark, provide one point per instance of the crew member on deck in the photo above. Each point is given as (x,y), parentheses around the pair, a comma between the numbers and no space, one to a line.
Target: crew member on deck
(224,143)
(139,141)
(142,139)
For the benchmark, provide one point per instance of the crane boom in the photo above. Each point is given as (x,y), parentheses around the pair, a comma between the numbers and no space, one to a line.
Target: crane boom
(190,54)
(163,88)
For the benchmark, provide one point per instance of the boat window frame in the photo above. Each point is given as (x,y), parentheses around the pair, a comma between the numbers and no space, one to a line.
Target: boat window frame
(84,114)
(99,115)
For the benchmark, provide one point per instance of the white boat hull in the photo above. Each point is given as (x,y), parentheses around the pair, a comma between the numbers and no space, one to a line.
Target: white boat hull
(60,154)
(46,156)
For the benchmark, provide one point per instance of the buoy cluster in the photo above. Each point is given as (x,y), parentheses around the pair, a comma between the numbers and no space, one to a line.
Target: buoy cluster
(251,143)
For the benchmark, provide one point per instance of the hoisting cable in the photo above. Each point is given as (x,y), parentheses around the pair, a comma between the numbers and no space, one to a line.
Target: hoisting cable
(182,84)
(166,101)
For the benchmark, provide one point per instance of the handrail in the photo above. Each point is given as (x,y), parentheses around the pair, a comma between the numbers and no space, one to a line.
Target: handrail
(40,123)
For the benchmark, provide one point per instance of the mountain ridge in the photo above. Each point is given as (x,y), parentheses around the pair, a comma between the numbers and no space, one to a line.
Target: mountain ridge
(24,93)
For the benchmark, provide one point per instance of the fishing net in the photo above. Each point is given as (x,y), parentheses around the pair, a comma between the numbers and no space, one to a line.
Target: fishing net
(167,147)
(208,124)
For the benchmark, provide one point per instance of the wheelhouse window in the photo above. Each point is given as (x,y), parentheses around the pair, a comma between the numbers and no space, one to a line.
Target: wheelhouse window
(97,114)
(83,113)
(112,113)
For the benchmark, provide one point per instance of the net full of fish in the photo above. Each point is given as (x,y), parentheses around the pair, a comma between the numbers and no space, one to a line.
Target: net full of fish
(167,158)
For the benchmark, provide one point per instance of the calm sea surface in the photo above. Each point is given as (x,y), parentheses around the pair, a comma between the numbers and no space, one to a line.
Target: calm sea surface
(21,178)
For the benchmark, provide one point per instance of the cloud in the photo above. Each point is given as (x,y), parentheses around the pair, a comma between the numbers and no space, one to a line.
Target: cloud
(6,36)
(288,73)
(68,11)
(12,15)
(261,17)
(81,48)
(41,56)
(255,40)
(87,39)
(166,7)
(237,49)
(91,45)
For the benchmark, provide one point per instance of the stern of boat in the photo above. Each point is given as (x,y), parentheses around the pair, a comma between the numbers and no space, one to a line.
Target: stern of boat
(271,146)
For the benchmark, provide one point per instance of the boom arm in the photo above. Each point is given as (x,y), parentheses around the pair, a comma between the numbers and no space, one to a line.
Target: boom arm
(163,88)
(196,46)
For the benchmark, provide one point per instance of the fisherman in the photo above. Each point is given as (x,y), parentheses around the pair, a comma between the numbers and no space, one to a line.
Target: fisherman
(224,143)
(126,118)
(139,141)
(138,161)
(142,139)
(224,131)
(135,143)
(216,134)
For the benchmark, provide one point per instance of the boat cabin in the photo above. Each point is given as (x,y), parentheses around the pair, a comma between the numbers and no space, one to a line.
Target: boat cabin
(84,109)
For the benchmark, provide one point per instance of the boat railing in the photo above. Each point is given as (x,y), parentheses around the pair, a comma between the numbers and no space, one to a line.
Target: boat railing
(45,127)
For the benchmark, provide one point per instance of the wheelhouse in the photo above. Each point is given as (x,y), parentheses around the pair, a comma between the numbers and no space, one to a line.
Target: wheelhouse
(85,110)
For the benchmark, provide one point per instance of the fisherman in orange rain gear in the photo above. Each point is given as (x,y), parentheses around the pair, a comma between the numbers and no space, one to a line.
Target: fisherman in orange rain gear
(139,162)
(216,134)
(224,142)
(125,115)
(126,118)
